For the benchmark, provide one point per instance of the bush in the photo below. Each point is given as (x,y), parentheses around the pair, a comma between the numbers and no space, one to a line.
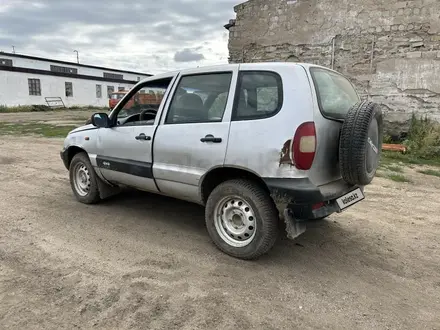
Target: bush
(423,138)
(40,107)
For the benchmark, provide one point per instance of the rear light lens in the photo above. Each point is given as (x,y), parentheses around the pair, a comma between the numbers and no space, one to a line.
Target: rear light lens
(304,146)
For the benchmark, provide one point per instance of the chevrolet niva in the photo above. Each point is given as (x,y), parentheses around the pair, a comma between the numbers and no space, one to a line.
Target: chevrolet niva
(253,143)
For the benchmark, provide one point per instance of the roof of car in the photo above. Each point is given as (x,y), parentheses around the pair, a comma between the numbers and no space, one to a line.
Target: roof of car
(230,65)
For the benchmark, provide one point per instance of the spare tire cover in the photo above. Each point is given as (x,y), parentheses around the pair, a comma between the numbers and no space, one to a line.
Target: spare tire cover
(360,144)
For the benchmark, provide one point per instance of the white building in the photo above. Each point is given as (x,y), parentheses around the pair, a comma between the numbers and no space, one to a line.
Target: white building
(26,80)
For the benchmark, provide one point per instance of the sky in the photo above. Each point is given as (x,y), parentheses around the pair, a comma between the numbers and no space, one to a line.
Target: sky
(150,36)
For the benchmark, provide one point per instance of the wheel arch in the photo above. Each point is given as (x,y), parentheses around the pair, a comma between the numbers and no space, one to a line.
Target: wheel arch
(221,174)
(71,152)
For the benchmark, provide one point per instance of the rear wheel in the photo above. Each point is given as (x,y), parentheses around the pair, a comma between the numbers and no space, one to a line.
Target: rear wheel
(83,179)
(242,219)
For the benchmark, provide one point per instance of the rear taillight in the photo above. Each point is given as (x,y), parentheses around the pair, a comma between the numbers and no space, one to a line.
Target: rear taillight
(304,146)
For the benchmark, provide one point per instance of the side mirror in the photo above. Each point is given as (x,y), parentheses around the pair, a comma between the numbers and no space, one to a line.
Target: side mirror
(100,119)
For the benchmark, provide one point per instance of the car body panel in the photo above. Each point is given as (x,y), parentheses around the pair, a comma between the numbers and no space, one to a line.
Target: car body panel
(257,144)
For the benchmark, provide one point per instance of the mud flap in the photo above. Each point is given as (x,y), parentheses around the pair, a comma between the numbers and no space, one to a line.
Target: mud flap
(294,228)
(106,190)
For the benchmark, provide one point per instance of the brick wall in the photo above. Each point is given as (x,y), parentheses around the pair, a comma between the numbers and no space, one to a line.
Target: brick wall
(390,49)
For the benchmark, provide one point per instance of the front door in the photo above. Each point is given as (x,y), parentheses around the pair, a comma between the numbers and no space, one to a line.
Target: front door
(125,148)
(193,135)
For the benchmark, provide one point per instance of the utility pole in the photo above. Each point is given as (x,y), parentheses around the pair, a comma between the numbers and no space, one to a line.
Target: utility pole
(77,56)
(13,49)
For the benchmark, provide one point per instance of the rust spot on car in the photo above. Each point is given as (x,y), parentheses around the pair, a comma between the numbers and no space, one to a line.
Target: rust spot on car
(285,153)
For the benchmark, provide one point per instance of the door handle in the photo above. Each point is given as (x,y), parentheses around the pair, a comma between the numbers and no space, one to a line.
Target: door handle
(211,138)
(142,136)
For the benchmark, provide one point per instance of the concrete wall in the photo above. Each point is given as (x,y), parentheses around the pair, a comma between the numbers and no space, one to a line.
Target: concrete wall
(14,90)
(390,49)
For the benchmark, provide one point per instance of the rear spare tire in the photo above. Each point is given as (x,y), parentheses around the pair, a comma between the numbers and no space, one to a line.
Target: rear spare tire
(360,145)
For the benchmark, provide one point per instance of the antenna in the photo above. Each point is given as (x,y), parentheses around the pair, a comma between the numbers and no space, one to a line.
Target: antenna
(77,55)
(13,49)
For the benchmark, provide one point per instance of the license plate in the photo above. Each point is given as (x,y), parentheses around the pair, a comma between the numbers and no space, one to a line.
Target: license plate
(350,199)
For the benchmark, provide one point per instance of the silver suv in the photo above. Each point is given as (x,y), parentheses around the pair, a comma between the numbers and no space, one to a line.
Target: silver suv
(252,143)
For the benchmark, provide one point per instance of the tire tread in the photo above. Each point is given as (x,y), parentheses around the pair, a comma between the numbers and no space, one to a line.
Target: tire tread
(353,140)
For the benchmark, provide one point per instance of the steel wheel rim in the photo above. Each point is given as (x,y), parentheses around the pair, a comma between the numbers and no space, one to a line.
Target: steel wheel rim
(81,179)
(235,221)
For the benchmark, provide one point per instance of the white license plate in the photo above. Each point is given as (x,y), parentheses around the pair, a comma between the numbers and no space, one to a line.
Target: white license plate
(350,199)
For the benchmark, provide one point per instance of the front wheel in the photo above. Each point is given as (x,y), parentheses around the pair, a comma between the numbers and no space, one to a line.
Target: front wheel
(83,179)
(242,219)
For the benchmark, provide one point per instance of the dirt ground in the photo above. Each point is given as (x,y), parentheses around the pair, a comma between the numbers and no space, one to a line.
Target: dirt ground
(141,261)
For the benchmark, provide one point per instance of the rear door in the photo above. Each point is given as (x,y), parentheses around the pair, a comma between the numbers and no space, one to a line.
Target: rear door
(334,95)
(193,136)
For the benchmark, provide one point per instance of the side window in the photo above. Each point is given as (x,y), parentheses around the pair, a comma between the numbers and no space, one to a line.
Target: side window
(200,99)
(142,105)
(259,95)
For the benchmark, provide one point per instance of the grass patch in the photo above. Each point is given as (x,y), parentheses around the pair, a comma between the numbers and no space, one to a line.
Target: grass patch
(390,158)
(397,177)
(394,168)
(45,130)
(423,145)
(45,108)
(430,172)
(394,173)
(380,174)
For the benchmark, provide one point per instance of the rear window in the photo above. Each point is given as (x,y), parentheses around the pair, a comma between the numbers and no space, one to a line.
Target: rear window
(336,95)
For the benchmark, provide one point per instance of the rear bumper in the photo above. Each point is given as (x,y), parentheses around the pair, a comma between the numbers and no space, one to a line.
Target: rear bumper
(301,195)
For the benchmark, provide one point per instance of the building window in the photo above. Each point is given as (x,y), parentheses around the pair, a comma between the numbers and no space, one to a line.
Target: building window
(110,90)
(138,78)
(63,69)
(121,89)
(5,62)
(34,87)
(98,91)
(69,89)
(113,75)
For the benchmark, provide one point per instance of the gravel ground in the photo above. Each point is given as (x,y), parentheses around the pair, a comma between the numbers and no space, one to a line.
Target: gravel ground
(141,261)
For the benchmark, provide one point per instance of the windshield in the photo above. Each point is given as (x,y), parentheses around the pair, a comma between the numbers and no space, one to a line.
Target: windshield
(336,95)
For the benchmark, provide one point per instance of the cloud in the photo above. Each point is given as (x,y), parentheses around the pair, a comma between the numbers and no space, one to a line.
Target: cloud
(188,55)
(148,36)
